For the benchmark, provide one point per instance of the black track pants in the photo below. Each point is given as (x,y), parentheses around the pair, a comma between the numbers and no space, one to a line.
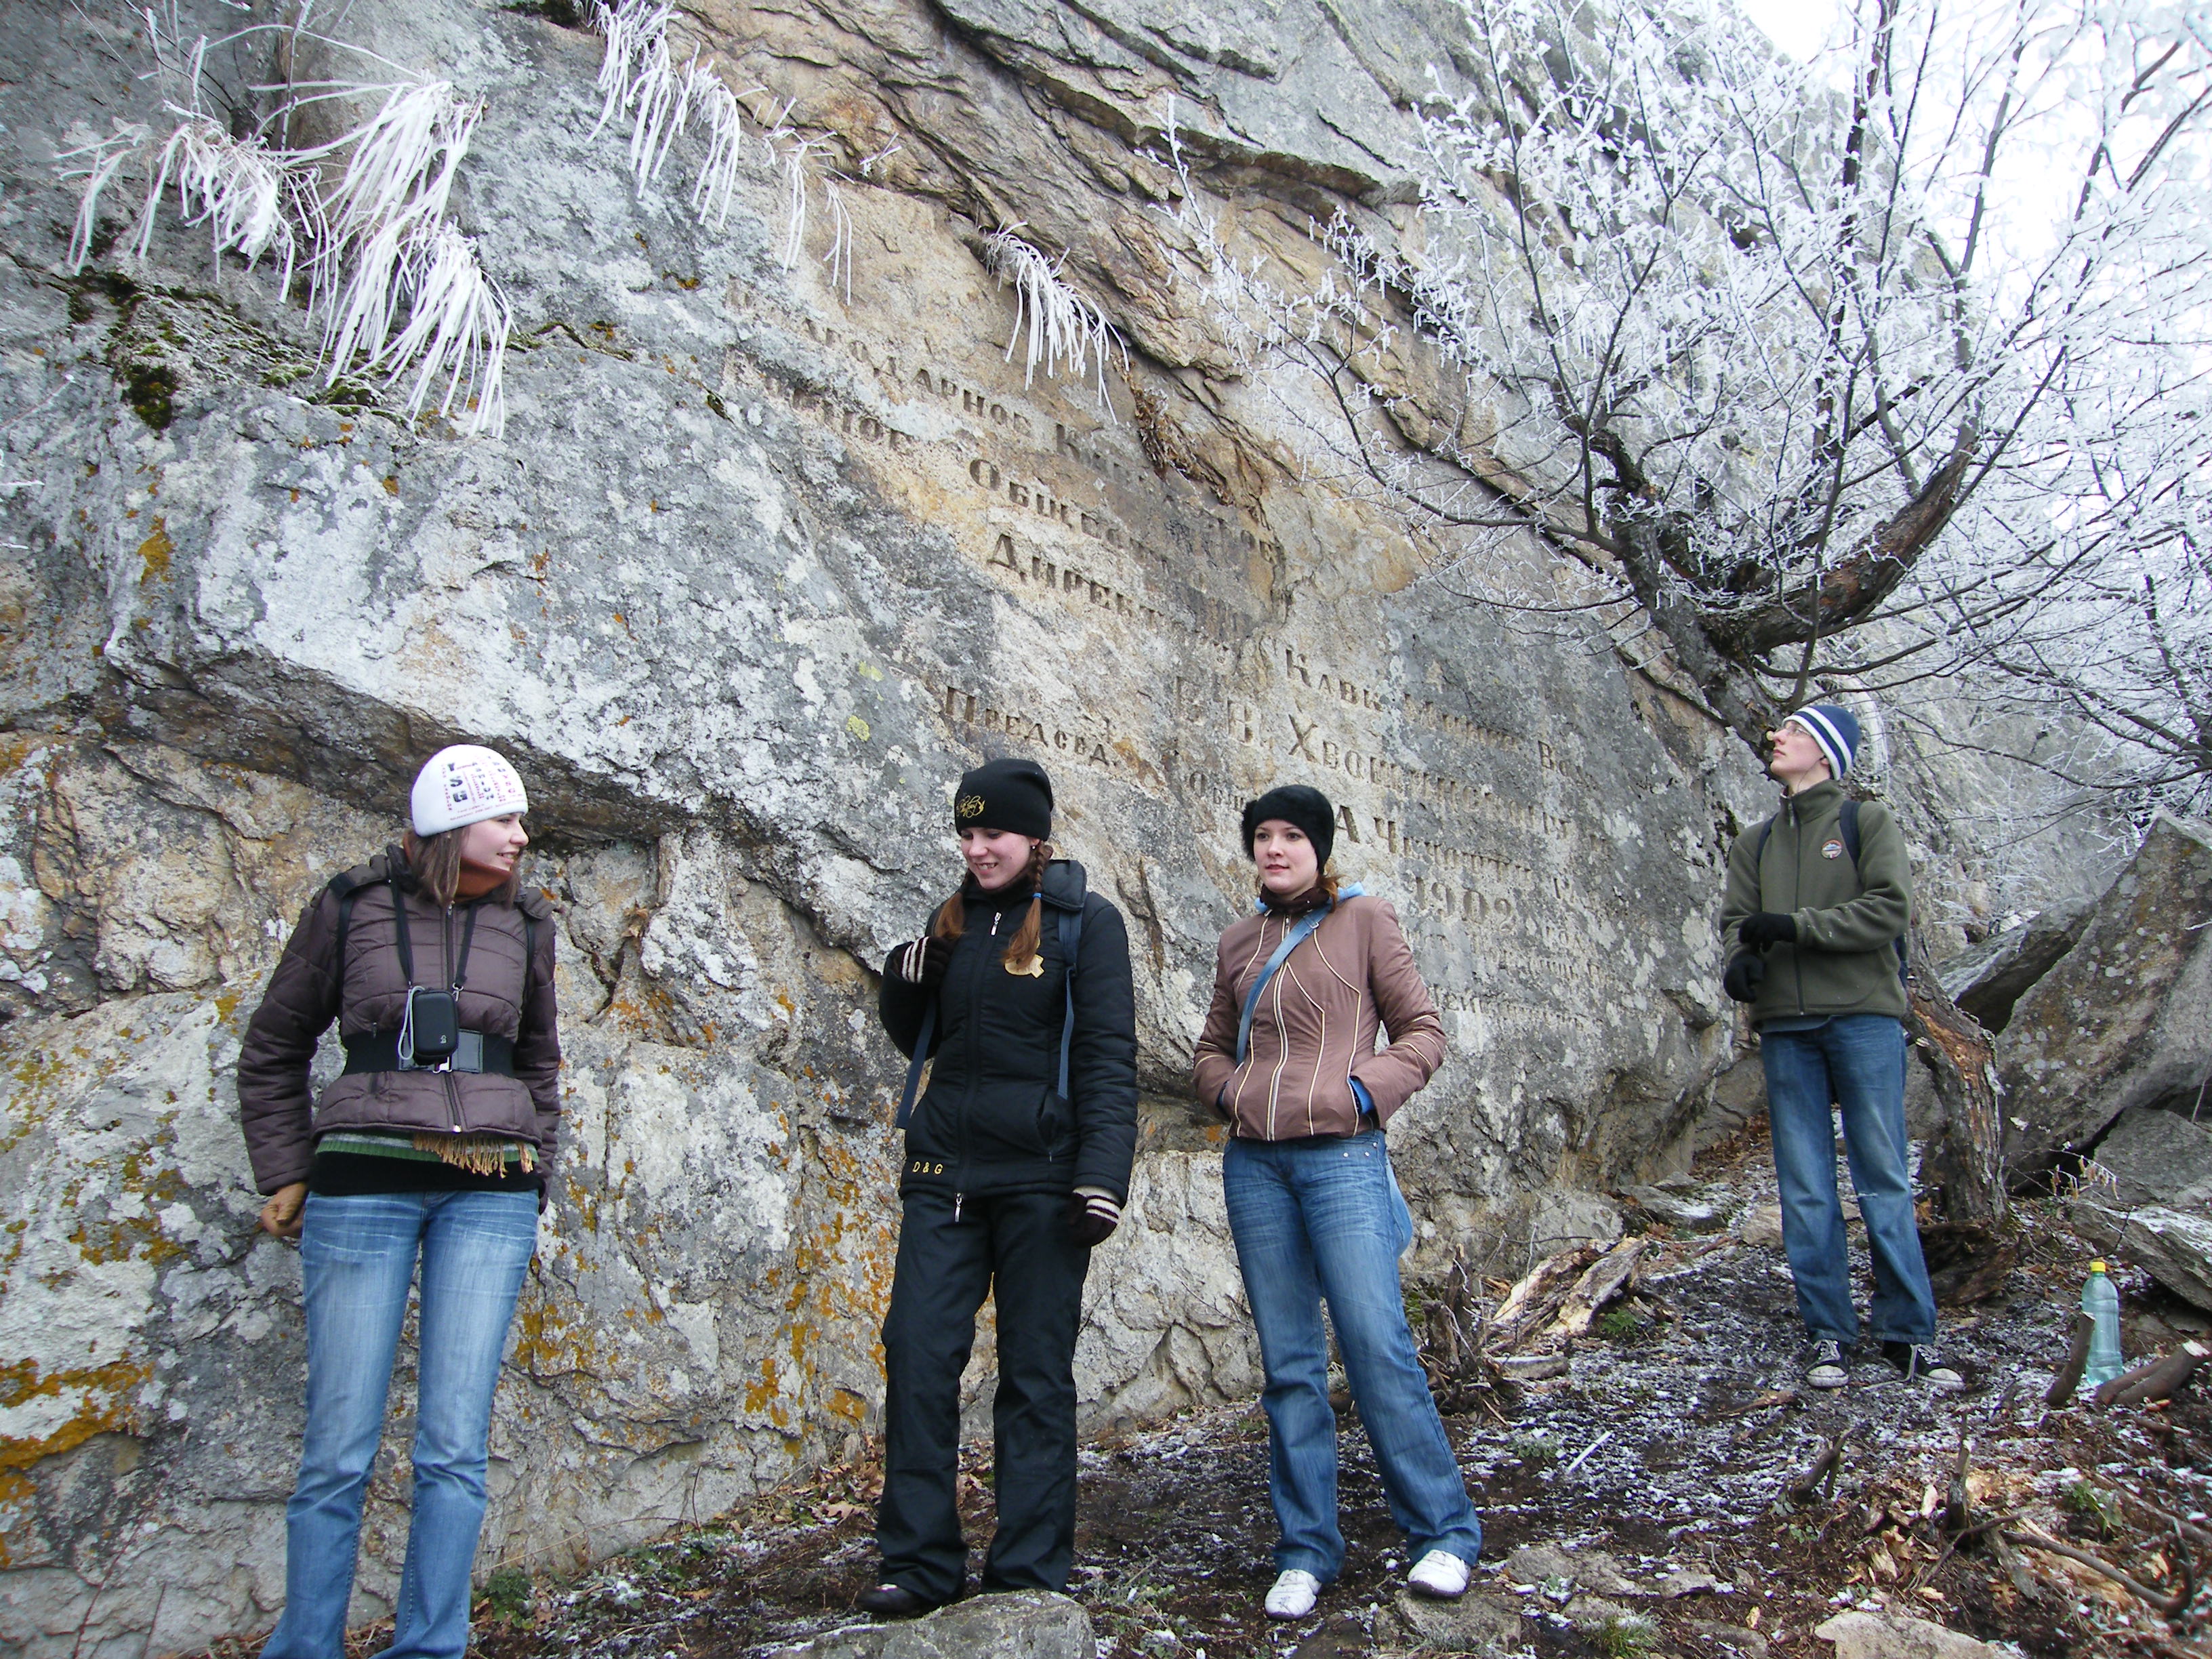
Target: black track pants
(1015,1248)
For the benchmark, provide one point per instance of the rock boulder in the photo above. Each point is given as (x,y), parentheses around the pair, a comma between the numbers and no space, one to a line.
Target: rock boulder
(1988,981)
(2156,1157)
(2125,1017)
(2174,1246)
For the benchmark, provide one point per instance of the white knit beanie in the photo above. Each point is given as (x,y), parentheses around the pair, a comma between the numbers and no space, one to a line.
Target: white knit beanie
(464,784)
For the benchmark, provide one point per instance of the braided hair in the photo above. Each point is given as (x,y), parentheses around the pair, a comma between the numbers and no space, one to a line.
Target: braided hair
(1022,948)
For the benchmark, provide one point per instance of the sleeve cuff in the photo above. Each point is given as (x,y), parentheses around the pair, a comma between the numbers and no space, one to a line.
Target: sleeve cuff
(1366,1101)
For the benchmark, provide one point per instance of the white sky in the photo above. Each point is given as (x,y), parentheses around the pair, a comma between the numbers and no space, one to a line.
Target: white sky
(1798,27)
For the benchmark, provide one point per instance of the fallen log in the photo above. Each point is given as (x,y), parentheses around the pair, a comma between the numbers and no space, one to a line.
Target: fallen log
(1610,1276)
(1533,1300)
(2165,1379)
(2078,1359)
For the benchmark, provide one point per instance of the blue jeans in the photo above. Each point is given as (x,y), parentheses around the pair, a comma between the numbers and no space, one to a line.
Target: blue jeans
(357,1257)
(1323,1220)
(1855,1061)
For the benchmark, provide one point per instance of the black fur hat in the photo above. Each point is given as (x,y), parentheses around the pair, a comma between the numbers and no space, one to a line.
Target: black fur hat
(1295,803)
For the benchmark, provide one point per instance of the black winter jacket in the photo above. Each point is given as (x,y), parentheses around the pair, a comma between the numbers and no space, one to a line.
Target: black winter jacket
(992,1120)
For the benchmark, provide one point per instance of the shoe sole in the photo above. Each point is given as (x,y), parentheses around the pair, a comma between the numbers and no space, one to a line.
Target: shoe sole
(1428,1595)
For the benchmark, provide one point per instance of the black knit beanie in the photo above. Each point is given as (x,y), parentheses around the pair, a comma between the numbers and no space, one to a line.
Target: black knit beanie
(1005,795)
(1294,803)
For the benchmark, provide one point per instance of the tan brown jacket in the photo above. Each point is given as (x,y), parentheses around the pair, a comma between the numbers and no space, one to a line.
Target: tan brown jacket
(1316,1028)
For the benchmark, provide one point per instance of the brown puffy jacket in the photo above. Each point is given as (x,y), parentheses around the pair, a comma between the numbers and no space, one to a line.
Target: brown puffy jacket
(1316,1027)
(502,998)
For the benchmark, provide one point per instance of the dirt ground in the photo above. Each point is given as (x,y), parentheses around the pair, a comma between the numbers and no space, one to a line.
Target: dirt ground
(1667,1446)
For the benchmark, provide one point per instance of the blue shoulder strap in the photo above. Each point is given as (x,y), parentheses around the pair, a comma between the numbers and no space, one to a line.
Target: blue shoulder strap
(1071,939)
(1292,939)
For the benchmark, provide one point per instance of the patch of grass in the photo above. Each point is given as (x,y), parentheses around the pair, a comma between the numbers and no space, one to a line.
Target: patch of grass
(1619,1325)
(2092,1507)
(1623,1636)
(1534,1450)
(508,1598)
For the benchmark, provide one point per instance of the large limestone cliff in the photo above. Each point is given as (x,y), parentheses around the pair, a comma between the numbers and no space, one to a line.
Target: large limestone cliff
(771,549)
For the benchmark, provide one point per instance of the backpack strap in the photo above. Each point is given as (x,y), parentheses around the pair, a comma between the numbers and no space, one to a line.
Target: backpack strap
(1847,817)
(346,889)
(1071,939)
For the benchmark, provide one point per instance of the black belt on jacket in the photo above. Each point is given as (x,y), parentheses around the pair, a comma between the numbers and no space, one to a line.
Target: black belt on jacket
(479,1052)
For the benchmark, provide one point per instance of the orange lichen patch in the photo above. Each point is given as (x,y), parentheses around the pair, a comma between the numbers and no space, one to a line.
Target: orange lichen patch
(554,1338)
(155,553)
(104,1409)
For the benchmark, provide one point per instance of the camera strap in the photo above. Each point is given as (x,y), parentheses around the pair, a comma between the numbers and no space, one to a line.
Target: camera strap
(407,944)
(399,921)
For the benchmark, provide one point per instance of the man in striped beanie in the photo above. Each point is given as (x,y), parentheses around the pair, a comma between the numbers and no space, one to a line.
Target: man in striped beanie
(1812,927)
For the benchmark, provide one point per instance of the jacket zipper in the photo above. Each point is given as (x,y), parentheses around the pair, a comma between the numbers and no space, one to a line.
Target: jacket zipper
(1796,889)
(975,1015)
(452,1089)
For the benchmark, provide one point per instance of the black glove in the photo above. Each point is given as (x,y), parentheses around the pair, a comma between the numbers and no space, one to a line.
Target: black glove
(1742,979)
(921,963)
(1091,1219)
(1768,927)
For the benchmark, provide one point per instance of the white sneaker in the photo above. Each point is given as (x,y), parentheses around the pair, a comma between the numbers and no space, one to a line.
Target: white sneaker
(1294,1592)
(1439,1574)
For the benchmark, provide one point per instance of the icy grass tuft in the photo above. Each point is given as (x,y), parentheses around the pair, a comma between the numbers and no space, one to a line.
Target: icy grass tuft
(1067,333)
(399,289)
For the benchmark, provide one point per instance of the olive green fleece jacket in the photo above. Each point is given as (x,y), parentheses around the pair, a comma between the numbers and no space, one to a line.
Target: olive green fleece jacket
(1848,919)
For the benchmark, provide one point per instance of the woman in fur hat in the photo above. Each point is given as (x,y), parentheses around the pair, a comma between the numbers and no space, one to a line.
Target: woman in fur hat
(1018,1161)
(1302,987)
(429,1151)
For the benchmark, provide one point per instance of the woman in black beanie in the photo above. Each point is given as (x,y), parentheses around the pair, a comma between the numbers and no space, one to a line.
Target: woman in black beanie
(1018,1163)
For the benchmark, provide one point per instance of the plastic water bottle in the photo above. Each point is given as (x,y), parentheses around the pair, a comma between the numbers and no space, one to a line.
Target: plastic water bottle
(2102,1304)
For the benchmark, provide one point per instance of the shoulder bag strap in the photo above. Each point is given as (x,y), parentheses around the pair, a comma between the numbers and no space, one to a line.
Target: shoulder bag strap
(1293,938)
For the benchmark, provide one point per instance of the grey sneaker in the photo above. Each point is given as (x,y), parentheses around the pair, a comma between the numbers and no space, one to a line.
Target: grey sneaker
(1824,1364)
(1919,1362)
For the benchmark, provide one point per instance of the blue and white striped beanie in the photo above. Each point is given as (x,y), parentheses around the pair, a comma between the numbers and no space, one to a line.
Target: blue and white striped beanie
(1835,729)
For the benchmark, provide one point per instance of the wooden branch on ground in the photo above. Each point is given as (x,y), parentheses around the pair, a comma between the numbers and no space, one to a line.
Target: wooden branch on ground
(2167,1605)
(2120,1384)
(1802,1485)
(2163,1380)
(2078,1359)
(1958,1503)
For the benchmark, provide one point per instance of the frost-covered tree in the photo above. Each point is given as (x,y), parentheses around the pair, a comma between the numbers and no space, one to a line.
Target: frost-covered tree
(1837,375)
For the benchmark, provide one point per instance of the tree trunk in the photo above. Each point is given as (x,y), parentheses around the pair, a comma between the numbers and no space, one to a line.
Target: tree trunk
(1969,1166)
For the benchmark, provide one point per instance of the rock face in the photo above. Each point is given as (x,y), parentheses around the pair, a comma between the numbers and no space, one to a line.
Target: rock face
(1026,1626)
(2125,1017)
(778,540)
